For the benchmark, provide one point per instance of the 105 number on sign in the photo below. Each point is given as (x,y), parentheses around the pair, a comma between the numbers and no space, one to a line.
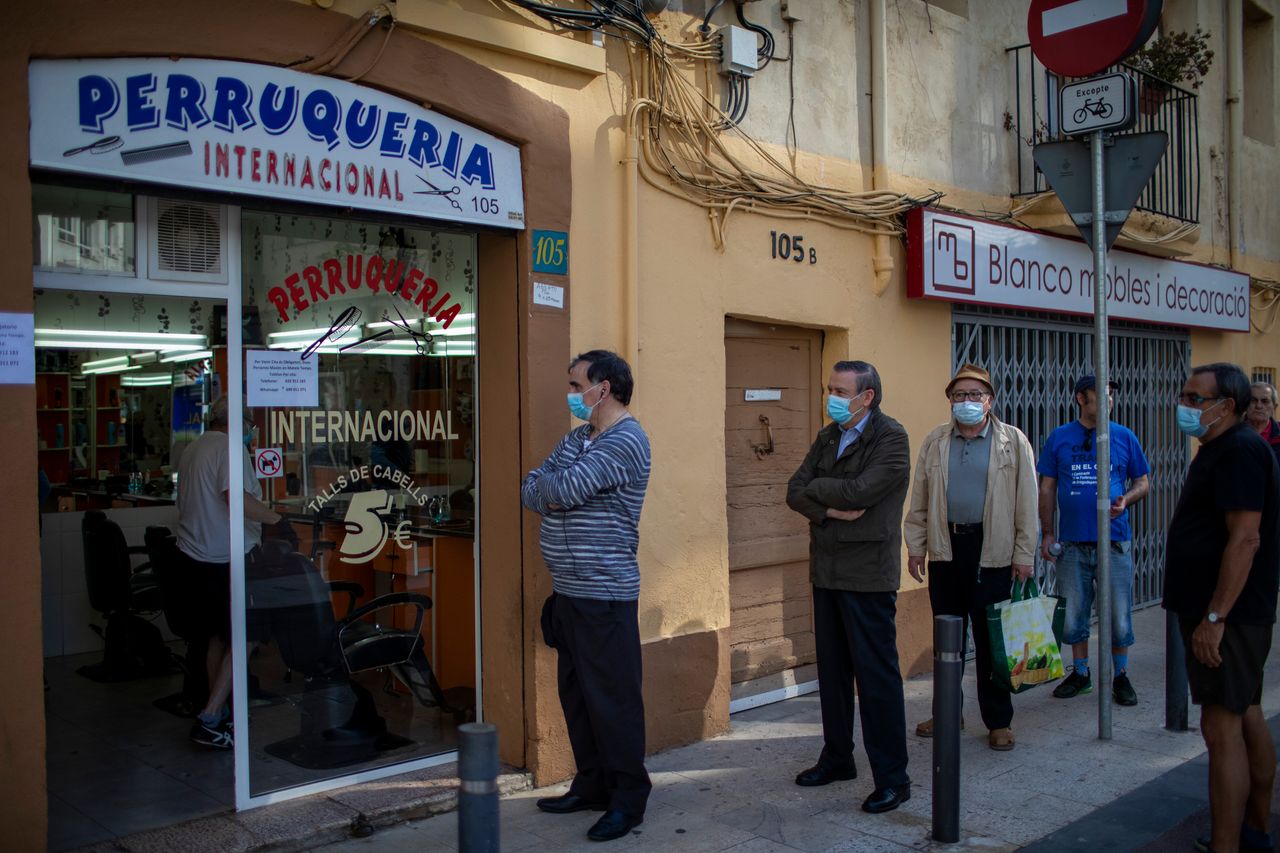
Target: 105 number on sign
(790,247)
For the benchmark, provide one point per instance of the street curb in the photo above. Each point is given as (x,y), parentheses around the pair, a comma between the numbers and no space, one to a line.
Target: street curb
(310,822)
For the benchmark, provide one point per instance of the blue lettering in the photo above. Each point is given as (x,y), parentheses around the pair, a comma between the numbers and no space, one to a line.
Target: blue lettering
(362,123)
(278,113)
(424,146)
(392,144)
(141,113)
(99,100)
(321,115)
(185,102)
(231,101)
(452,154)
(479,167)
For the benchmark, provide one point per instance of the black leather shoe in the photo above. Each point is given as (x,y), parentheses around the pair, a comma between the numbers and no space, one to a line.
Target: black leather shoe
(886,799)
(570,803)
(819,775)
(613,824)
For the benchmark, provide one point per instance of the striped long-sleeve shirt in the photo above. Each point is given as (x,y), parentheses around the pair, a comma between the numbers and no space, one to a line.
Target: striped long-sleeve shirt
(589,540)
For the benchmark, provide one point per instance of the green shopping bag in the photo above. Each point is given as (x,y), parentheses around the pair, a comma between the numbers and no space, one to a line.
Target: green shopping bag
(1025,632)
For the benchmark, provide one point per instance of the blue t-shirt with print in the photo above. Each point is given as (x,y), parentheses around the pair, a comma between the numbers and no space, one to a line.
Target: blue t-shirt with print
(1070,455)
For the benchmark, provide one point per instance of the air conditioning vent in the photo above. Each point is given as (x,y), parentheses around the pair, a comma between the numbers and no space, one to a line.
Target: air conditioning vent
(188,241)
(188,237)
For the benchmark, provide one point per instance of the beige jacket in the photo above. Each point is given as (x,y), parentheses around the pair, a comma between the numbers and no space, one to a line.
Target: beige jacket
(1010,523)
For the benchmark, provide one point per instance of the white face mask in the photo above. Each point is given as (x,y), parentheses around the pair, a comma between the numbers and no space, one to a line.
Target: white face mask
(967,413)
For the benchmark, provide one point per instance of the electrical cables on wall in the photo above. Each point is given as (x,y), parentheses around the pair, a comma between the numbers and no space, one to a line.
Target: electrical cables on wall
(682,132)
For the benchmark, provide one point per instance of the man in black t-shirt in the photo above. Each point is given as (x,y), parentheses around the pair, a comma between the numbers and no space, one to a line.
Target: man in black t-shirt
(1222,573)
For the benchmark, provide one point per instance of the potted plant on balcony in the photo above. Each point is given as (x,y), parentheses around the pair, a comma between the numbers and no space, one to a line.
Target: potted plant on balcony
(1173,58)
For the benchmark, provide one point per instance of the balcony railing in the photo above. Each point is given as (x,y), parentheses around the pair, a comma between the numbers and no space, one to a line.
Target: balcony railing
(1174,190)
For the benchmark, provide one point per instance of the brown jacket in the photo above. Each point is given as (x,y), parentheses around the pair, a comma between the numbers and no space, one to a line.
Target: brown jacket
(864,555)
(1010,519)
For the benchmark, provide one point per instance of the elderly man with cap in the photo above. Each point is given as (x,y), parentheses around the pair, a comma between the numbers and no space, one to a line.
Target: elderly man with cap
(1069,483)
(973,513)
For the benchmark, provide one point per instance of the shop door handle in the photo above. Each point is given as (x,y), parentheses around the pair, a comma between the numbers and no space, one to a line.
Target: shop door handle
(763,450)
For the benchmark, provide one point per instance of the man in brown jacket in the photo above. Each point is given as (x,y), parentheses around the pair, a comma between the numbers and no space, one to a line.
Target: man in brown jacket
(851,487)
(974,512)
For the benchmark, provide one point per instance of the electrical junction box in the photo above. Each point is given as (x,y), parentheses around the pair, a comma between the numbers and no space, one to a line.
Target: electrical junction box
(739,48)
(794,10)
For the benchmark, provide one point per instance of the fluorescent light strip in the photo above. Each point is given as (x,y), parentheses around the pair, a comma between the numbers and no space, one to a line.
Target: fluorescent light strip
(118,369)
(145,381)
(160,337)
(187,356)
(118,361)
(46,343)
(314,334)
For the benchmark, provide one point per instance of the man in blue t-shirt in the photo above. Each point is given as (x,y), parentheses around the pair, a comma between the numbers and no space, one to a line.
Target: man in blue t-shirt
(1068,482)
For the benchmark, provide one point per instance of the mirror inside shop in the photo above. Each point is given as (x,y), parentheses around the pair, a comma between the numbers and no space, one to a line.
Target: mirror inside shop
(359,614)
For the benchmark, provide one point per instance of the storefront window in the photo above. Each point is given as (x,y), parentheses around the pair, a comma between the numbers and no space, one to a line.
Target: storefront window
(373,468)
(119,384)
(81,230)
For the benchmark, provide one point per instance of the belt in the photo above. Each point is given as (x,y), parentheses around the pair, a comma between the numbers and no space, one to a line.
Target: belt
(964,529)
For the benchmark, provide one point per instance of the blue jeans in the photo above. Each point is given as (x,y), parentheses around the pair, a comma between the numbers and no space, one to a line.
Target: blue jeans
(1077,573)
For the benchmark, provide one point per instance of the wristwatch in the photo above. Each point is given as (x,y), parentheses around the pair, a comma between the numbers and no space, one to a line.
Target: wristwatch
(1212,618)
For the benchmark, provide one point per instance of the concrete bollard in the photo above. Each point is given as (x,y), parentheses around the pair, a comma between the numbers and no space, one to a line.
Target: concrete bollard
(478,824)
(1175,676)
(948,667)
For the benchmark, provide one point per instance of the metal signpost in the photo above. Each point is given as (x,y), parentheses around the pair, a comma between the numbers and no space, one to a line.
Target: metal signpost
(1076,38)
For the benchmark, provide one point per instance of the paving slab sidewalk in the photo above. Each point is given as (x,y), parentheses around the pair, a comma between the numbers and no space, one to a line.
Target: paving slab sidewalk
(737,793)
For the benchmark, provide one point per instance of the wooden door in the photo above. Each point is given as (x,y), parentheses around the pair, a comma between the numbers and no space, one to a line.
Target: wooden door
(772,396)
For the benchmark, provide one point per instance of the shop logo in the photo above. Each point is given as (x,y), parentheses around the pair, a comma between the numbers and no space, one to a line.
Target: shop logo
(953,257)
(369,528)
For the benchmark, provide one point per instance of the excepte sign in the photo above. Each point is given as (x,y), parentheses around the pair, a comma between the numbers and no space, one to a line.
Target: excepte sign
(281,378)
(266,131)
(960,259)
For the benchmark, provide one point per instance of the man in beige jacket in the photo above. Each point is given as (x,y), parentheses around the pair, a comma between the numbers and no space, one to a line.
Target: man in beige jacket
(974,513)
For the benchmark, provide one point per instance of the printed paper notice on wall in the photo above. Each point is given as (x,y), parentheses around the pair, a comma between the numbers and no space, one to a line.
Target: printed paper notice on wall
(282,379)
(17,349)
(551,295)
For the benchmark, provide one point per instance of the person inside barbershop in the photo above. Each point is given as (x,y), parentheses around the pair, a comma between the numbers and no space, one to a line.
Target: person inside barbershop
(1068,483)
(1221,577)
(204,541)
(851,486)
(589,492)
(1262,414)
(974,515)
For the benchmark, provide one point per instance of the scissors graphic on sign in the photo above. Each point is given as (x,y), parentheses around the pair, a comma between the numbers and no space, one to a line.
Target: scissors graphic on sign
(435,190)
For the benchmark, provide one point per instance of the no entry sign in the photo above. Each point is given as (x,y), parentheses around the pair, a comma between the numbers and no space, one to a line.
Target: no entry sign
(1076,38)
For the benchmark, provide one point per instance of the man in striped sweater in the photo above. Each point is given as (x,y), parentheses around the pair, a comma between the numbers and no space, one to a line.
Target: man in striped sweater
(589,492)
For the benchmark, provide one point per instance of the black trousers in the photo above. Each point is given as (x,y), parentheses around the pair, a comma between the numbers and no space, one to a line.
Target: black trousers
(958,587)
(857,643)
(599,678)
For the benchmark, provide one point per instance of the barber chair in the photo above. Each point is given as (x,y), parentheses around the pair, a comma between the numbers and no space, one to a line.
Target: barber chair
(121,592)
(290,604)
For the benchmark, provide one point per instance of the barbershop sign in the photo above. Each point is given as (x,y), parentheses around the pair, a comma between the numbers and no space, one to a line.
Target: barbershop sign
(960,259)
(266,131)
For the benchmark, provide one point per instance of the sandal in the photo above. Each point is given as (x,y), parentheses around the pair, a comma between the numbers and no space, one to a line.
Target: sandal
(925,729)
(1000,740)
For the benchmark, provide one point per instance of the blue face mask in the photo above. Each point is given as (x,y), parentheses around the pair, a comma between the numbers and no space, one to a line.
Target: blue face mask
(1189,420)
(248,435)
(579,409)
(838,409)
(968,413)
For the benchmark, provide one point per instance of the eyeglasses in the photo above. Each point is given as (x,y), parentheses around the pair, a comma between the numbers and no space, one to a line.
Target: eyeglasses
(972,396)
(1194,399)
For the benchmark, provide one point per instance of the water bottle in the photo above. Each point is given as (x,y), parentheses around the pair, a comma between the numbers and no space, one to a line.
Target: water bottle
(1055,550)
